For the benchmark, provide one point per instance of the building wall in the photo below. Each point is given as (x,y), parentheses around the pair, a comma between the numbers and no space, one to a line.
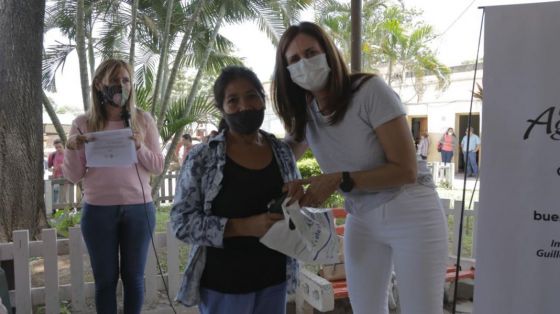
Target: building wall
(443,107)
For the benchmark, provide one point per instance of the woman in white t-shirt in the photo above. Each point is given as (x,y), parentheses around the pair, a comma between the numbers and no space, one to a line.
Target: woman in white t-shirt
(356,127)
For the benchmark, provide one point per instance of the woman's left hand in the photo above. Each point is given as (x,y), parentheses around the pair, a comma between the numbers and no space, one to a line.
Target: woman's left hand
(320,188)
(137,138)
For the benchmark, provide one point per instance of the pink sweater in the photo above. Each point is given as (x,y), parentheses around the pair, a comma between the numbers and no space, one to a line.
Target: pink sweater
(116,185)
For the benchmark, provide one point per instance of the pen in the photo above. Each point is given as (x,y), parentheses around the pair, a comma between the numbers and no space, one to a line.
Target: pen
(81,133)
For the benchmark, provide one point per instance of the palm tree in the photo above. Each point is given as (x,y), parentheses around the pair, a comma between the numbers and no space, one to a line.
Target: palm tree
(404,45)
(392,38)
(81,49)
(170,37)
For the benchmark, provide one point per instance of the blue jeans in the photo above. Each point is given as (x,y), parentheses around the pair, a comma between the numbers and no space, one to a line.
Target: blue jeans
(271,300)
(446,156)
(108,230)
(471,167)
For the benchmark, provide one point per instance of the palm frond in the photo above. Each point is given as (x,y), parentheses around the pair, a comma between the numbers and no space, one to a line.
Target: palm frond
(61,15)
(145,68)
(143,97)
(53,59)
(180,114)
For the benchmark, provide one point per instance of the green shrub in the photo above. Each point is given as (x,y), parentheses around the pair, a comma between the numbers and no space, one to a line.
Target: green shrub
(308,167)
(444,184)
(308,154)
(334,201)
(65,218)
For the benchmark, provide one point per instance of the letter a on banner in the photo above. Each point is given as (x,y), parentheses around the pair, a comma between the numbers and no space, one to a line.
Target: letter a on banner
(518,255)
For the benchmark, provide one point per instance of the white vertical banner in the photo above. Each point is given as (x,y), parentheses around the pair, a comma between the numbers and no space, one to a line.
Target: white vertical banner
(518,252)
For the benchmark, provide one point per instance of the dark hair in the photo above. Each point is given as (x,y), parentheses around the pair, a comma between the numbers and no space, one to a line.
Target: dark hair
(57,141)
(228,75)
(290,100)
(187,137)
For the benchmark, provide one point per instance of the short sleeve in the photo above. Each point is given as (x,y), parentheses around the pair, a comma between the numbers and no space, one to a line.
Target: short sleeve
(381,103)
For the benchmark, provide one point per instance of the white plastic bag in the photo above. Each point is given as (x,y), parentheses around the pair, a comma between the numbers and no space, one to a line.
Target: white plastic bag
(312,238)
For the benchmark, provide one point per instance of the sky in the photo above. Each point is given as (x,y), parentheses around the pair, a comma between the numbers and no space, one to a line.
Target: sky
(457,23)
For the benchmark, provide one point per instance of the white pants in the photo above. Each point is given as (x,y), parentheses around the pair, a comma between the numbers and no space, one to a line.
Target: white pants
(409,232)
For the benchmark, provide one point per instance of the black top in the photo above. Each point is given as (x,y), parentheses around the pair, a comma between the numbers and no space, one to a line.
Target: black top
(244,265)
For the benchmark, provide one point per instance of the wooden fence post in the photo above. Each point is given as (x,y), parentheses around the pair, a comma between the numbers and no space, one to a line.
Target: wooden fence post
(48,197)
(77,269)
(22,272)
(50,253)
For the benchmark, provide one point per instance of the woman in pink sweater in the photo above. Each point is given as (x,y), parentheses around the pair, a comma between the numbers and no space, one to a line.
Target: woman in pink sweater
(118,214)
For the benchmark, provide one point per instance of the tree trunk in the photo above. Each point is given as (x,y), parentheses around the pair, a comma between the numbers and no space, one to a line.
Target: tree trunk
(22,205)
(81,50)
(54,118)
(162,58)
(91,53)
(192,95)
(133,36)
(177,64)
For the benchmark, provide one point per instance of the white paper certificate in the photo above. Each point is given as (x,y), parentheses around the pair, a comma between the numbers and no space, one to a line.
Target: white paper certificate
(112,148)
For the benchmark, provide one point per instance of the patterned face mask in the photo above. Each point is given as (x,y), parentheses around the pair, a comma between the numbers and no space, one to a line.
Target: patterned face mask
(115,95)
(310,74)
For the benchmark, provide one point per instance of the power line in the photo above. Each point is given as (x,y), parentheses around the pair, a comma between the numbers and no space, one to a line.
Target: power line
(457,19)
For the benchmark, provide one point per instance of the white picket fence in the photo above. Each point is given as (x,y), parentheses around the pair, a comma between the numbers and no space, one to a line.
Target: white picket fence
(21,250)
(71,193)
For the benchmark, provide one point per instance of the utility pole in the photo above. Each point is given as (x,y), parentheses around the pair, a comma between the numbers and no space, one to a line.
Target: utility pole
(356,38)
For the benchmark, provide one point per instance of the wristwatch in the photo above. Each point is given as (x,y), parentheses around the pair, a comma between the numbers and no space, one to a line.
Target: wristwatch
(347,183)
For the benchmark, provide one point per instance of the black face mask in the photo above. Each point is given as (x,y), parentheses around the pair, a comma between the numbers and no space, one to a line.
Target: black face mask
(246,121)
(107,95)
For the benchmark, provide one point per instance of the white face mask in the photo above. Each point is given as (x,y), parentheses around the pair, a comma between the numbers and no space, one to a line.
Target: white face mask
(310,74)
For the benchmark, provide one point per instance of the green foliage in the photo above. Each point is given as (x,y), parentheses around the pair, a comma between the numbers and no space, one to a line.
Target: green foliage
(65,218)
(309,167)
(444,184)
(308,154)
(65,308)
(334,201)
(393,36)
(162,217)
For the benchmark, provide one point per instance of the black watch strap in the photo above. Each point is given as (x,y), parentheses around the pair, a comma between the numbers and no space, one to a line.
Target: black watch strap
(347,183)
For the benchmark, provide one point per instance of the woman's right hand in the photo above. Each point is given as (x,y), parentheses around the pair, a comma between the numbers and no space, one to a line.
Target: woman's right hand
(77,141)
(256,225)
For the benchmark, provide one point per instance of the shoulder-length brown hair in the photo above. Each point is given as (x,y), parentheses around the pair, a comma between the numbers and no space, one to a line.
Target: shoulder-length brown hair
(290,101)
(97,113)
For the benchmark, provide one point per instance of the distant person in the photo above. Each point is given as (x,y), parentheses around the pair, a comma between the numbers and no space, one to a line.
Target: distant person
(183,148)
(447,145)
(423,146)
(208,137)
(55,161)
(118,215)
(471,166)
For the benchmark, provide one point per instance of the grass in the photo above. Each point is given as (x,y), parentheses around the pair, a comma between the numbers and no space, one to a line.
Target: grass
(468,222)
(162,217)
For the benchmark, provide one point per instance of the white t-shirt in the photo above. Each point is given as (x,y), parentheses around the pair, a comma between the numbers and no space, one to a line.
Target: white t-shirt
(352,144)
